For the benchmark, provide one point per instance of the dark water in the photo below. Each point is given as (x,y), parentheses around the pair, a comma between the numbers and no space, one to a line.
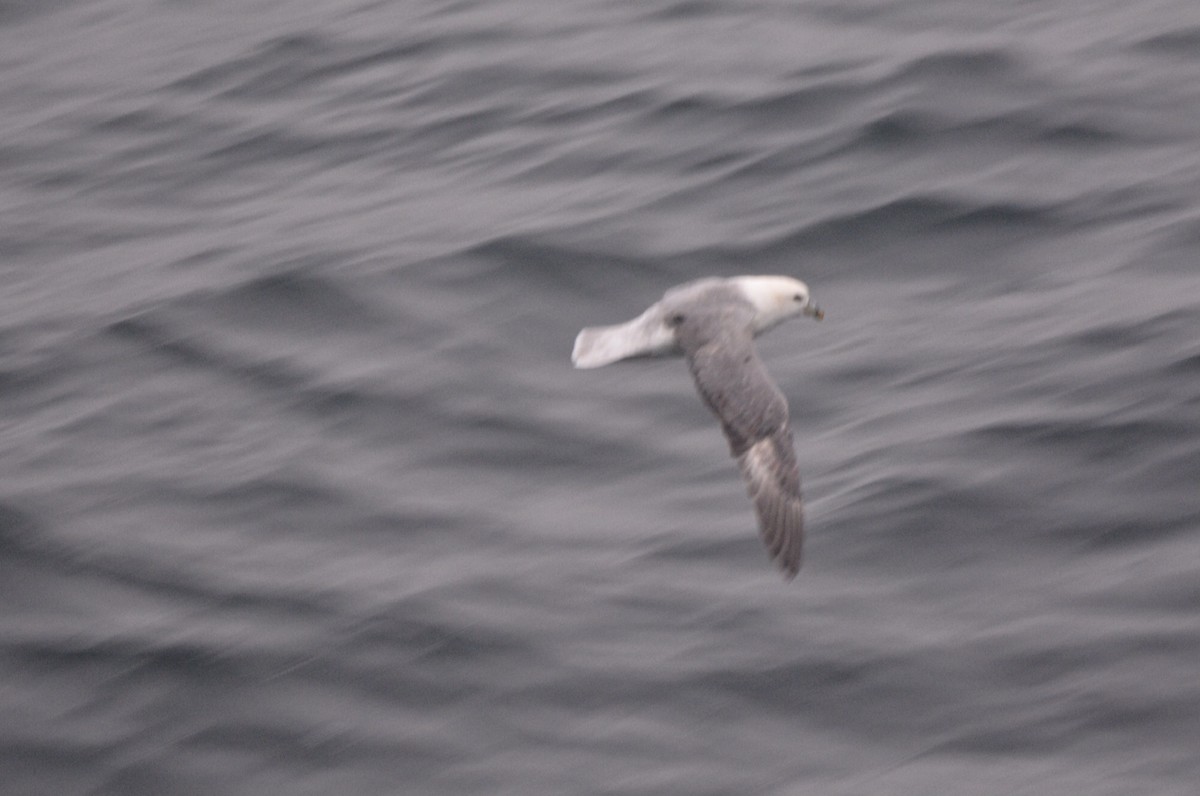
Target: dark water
(302,496)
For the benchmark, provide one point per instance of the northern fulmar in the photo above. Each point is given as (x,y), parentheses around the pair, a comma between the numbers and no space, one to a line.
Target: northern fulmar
(712,323)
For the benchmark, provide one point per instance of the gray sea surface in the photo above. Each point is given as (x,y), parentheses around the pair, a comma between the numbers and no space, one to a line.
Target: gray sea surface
(300,494)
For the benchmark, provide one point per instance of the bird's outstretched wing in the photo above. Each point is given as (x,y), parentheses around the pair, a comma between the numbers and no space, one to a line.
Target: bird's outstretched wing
(735,385)
(773,482)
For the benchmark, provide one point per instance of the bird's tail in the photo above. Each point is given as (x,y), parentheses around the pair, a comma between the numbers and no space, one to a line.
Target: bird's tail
(597,346)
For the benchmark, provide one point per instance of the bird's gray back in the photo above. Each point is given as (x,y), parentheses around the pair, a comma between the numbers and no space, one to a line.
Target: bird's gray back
(704,295)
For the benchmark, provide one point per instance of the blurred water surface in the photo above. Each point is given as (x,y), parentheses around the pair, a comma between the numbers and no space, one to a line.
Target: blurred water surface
(300,494)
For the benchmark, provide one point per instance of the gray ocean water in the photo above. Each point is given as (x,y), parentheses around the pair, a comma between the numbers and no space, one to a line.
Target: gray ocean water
(301,495)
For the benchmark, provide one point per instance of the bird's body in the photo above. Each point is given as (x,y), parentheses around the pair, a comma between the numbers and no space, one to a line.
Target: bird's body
(713,323)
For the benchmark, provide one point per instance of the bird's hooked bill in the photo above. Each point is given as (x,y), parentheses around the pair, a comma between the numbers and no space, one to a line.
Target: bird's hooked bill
(815,311)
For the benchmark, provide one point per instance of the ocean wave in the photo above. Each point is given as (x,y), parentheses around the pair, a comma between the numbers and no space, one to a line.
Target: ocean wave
(1184,41)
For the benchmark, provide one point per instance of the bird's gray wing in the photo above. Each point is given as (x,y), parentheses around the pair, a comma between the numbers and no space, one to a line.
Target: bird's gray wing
(773,483)
(735,385)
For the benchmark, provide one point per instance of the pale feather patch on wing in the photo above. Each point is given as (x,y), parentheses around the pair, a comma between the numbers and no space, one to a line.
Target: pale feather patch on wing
(780,510)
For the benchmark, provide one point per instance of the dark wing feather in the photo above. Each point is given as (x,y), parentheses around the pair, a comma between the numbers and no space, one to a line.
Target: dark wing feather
(772,481)
(735,385)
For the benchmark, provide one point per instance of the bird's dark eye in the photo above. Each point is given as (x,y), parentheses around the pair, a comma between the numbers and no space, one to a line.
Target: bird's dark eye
(799,297)
(675,320)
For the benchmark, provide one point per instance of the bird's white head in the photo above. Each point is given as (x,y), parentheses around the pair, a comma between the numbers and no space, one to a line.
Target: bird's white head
(777,298)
